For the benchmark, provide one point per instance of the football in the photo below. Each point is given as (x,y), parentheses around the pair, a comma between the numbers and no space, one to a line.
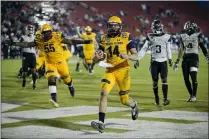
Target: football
(100,55)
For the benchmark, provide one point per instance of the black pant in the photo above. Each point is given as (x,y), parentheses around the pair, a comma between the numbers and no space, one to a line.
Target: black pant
(28,60)
(159,68)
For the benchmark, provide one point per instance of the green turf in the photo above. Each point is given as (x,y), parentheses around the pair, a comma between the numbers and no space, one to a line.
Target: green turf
(88,89)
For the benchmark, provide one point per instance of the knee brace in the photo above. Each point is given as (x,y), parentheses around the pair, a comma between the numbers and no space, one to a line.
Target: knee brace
(52,81)
(124,96)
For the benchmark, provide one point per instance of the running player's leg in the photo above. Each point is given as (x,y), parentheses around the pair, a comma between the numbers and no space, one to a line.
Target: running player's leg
(123,80)
(64,73)
(51,72)
(107,84)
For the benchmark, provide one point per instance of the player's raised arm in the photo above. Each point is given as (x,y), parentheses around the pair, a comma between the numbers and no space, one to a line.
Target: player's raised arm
(74,41)
(143,50)
(78,32)
(201,44)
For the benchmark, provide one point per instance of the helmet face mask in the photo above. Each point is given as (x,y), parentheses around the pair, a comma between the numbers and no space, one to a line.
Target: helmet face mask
(157,27)
(190,27)
(114,26)
(30,30)
(46,31)
(88,30)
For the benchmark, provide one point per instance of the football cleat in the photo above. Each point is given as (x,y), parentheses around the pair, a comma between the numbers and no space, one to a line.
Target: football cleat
(34,86)
(166,102)
(135,111)
(55,104)
(98,126)
(193,98)
(72,90)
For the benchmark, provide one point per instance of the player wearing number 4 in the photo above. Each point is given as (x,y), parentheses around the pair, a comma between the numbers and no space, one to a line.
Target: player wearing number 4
(50,43)
(190,41)
(115,46)
(159,44)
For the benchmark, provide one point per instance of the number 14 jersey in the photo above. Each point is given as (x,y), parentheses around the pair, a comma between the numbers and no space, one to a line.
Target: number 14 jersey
(115,46)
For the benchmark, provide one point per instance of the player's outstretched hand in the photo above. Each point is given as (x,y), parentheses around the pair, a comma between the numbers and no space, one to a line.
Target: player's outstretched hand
(136,64)
(124,56)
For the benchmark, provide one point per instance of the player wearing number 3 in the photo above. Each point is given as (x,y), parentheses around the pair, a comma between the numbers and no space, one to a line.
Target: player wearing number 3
(159,44)
(115,46)
(50,43)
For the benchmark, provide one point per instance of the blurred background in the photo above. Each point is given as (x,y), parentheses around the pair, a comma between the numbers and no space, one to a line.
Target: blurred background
(137,17)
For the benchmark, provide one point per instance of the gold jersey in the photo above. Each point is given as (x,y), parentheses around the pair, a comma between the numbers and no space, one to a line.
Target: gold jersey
(115,46)
(52,48)
(89,47)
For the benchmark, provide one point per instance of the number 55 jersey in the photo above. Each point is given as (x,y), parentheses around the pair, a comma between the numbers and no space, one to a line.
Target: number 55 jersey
(55,60)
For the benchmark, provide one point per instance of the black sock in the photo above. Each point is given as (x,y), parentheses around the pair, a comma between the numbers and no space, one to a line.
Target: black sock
(54,96)
(93,66)
(165,90)
(77,66)
(101,116)
(194,82)
(70,84)
(189,87)
(34,78)
(155,89)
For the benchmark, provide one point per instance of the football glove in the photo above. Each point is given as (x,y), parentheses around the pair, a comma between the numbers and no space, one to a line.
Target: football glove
(170,62)
(175,67)
(136,64)
(207,58)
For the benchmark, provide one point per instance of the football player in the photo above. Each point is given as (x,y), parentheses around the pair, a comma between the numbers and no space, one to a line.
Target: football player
(88,49)
(55,60)
(29,56)
(190,40)
(115,46)
(159,44)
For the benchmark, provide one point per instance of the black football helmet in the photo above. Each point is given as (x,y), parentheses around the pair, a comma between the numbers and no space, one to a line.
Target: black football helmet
(157,27)
(190,27)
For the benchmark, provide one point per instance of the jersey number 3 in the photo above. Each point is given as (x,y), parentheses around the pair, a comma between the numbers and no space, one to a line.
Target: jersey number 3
(49,48)
(158,49)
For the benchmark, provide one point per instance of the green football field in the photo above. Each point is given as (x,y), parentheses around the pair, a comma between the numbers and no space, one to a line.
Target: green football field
(88,91)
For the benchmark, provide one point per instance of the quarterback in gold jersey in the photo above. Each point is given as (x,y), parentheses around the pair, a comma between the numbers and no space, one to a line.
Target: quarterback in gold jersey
(118,48)
(56,63)
(88,49)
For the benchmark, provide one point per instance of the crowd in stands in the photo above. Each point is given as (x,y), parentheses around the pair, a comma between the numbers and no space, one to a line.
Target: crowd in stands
(16,15)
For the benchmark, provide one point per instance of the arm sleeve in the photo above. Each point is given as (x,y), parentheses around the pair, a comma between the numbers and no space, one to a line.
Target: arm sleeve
(131,44)
(201,44)
(168,49)
(143,50)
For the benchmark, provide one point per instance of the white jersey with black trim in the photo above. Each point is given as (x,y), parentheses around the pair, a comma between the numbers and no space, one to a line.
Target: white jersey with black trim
(26,38)
(191,42)
(159,46)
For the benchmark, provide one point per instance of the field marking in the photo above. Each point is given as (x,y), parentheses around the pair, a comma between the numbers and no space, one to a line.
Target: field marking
(12,117)
(141,129)
(173,114)
(8,106)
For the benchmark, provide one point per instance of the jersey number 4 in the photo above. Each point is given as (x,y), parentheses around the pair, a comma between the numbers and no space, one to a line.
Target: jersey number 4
(49,48)
(189,45)
(115,51)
